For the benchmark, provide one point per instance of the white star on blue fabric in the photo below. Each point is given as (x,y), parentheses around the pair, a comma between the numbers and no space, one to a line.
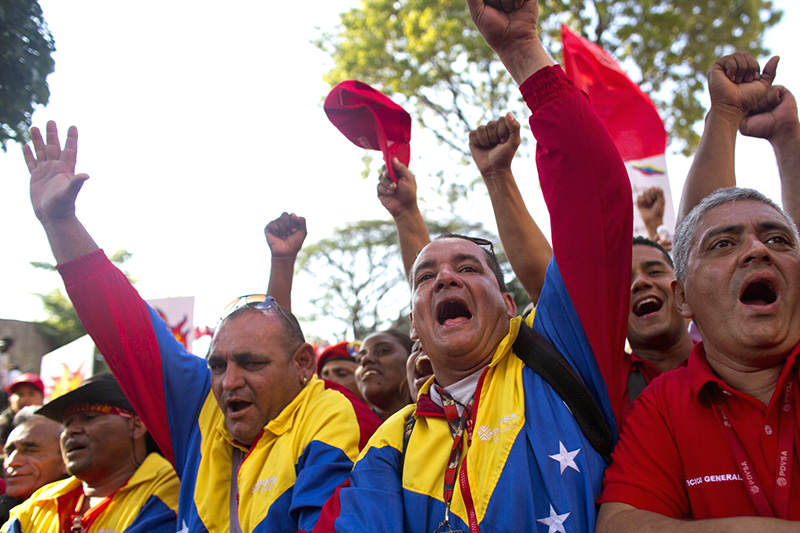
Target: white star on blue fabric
(565,458)
(554,522)
(183,528)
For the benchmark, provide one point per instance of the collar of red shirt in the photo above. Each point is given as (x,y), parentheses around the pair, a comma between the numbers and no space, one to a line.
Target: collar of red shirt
(701,375)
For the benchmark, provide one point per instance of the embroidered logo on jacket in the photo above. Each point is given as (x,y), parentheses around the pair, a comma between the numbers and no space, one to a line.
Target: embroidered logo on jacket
(504,425)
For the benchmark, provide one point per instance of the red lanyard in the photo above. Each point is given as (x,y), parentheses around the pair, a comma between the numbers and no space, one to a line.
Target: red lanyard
(79,522)
(783,469)
(457,423)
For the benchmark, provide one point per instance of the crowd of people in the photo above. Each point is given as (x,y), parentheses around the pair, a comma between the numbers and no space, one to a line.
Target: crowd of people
(481,418)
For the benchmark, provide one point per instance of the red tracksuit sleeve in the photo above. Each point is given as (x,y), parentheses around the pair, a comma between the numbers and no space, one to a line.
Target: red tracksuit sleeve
(164,384)
(588,195)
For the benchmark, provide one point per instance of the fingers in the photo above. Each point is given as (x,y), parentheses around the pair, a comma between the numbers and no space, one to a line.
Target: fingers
(739,67)
(30,160)
(385,184)
(38,144)
(285,225)
(70,152)
(53,148)
(495,132)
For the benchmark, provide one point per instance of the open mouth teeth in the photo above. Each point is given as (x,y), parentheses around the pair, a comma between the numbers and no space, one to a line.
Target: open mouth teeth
(651,304)
(237,405)
(760,292)
(452,309)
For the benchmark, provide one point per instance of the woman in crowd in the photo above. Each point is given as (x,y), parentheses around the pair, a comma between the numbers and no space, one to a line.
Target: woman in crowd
(381,372)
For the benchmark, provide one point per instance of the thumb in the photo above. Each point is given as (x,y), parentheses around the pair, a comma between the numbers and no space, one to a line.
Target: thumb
(75,185)
(770,69)
(513,126)
(401,169)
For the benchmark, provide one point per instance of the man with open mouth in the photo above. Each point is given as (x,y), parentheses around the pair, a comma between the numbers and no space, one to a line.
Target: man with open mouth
(713,446)
(657,332)
(119,480)
(491,445)
(257,441)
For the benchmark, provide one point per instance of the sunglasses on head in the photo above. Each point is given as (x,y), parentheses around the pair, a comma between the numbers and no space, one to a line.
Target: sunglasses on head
(483,243)
(261,302)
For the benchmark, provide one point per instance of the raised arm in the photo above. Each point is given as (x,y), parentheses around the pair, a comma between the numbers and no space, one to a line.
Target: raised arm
(285,236)
(737,87)
(778,124)
(165,384)
(493,146)
(400,199)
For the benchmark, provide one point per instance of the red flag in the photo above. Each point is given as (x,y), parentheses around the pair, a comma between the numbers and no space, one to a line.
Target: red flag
(627,112)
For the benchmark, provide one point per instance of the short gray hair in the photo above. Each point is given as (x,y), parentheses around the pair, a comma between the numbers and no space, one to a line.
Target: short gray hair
(685,233)
(26,414)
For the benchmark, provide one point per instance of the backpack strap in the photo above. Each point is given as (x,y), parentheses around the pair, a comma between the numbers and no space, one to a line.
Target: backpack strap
(543,358)
(636,384)
(408,427)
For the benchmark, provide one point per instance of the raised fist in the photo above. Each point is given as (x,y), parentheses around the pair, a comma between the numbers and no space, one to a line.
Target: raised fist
(285,235)
(779,118)
(650,204)
(494,144)
(736,84)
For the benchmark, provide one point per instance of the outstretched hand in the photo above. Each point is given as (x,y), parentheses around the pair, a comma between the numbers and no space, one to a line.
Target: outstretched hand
(54,184)
(494,144)
(737,85)
(398,197)
(285,235)
(779,118)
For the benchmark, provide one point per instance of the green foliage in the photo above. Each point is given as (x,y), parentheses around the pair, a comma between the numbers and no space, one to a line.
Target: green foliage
(26,48)
(359,277)
(428,55)
(62,324)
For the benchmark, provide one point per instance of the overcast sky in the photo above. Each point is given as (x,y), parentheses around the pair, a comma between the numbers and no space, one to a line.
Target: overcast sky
(199,123)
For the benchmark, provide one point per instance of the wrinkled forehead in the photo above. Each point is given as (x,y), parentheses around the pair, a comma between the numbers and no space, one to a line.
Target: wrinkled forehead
(745,214)
(36,431)
(447,249)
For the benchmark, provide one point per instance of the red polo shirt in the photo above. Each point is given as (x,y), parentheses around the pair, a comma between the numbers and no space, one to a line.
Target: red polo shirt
(674,457)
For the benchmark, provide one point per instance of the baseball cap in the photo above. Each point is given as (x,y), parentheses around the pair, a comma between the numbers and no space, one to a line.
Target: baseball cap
(26,378)
(344,350)
(371,120)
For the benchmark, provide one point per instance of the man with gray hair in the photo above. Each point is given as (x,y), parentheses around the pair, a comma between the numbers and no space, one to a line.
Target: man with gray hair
(32,457)
(716,441)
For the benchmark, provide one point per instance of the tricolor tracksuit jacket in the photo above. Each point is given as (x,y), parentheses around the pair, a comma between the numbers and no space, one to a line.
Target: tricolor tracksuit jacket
(290,471)
(527,466)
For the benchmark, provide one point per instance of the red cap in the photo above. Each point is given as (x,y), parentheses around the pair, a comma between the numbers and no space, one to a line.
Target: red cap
(371,120)
(30,379)
(341,350)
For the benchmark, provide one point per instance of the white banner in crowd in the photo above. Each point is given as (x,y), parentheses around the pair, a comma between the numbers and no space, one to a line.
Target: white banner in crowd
(65,368)
(178,313)
(646,173)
